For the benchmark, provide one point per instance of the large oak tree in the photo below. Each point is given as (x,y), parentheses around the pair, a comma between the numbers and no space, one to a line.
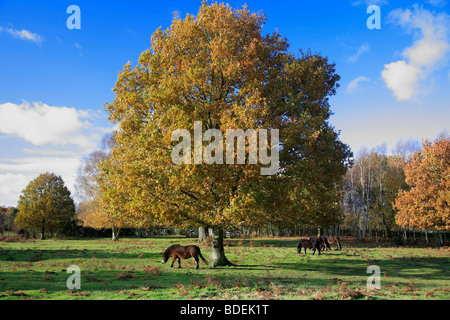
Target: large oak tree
(218,68)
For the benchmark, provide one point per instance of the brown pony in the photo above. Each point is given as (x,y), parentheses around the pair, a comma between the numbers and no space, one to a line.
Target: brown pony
(180,252)
(323,242)
(311,243)
(332,239)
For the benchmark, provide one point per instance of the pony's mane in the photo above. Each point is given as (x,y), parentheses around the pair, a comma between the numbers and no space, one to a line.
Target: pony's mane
(169,249)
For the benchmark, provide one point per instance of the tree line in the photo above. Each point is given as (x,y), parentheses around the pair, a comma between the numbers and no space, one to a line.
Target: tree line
(381,193)
(401,195)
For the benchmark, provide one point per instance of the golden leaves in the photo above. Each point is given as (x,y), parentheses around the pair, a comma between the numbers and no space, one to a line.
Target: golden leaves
(218,68)
(45,202)
(426,205)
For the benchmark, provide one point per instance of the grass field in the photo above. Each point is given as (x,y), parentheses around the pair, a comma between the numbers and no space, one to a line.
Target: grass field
(267,268)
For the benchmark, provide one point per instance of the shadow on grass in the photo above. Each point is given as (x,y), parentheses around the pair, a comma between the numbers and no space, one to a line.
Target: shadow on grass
(13,255)
(429,268)
(302,274)
(112,269)
(261,242)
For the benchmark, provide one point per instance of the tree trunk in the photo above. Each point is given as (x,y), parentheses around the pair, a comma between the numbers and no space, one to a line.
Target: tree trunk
(115,235)
(43,230)
(319,232)
(441,242)
(217,258)
(202,236)
(388,230)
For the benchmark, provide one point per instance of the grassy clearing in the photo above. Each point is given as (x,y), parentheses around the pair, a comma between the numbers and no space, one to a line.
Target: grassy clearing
(265,269)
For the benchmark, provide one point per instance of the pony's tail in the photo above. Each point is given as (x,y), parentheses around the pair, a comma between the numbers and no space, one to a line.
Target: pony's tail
(201,257)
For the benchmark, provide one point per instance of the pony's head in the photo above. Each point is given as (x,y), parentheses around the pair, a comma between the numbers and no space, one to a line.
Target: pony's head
(166,254)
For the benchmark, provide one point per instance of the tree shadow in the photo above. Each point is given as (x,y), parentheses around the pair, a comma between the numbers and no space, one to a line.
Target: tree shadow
(14,255)
(429,268)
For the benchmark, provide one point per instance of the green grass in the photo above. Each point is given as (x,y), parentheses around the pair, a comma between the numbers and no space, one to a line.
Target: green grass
(266,268)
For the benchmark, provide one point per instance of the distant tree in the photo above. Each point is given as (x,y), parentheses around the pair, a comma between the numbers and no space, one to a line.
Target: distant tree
(45,203)
(86,186)
(90,213)
(372,185)
(2,218)
(10,216)
(427,204)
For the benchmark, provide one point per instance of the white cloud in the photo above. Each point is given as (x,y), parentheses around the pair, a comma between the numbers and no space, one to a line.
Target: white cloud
(10,188)
(23,34)
(38,165)
(426,53)
(374,124)
(402,78)
(364,48)
(15,174)
(437,3)
(423,57)
(59,137)
(49,152)
(354,83)
(41,124)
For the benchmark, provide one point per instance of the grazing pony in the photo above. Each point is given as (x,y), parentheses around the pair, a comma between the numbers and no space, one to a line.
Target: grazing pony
(332,239)
(311,243)
(180,252)
(323,242)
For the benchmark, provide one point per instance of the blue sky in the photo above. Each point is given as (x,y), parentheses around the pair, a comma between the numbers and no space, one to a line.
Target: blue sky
(54,81)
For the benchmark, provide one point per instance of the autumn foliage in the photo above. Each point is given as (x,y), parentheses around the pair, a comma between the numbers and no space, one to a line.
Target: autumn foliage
(45,204)
(427,204)
(219,69)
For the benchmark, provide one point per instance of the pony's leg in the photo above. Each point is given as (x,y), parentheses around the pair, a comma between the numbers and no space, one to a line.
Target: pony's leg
(179,262)
(196,260)
(173,261)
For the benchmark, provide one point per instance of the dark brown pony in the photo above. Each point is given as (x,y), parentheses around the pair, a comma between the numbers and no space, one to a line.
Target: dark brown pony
(180,252)
(311,243)
(323,242)
(332,239)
